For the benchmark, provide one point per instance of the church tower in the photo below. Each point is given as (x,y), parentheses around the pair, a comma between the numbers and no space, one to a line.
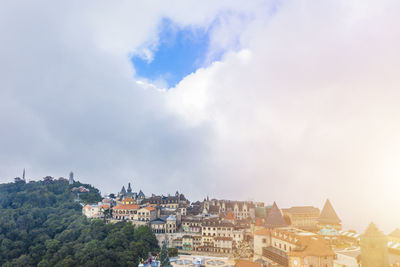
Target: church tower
(374,251)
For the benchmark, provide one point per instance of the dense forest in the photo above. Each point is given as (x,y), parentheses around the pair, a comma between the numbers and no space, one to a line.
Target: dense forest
(41,224)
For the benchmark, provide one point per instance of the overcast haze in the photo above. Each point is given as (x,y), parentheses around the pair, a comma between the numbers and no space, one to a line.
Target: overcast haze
(294,101)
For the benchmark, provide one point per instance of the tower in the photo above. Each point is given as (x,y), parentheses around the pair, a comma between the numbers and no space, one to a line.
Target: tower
(374,251)
(129,188)
(23,175)
(71,178)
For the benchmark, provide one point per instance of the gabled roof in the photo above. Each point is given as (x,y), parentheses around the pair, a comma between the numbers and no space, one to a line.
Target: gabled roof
(328,214)
(229,216)
(141,194)
(275,218)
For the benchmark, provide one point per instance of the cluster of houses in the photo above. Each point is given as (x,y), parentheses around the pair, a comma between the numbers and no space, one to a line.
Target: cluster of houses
(296,236)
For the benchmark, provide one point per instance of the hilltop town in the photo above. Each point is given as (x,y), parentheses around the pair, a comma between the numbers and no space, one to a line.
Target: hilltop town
(265,235)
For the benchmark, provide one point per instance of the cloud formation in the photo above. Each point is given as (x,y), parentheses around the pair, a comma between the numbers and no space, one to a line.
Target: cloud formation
(302,106)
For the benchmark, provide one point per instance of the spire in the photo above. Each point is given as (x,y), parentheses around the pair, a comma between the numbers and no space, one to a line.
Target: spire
(123,191)
(129,188)
(141,194)
(275,218)
(328,214)
(23,175)
(372,230)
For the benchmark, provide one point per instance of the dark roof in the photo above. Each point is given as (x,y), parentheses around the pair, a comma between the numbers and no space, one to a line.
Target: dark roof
(123,191)
(275,218)
(328,214)
(141,194)
(158,221)
(213,209)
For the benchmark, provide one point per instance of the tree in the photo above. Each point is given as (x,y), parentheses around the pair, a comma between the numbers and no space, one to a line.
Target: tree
(164,259)
(107,214)
(243,251)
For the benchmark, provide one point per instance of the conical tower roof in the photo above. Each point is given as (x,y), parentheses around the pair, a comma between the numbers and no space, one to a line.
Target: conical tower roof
(328,214)
(123,191)
(395,233)
(372,230)
(275,218)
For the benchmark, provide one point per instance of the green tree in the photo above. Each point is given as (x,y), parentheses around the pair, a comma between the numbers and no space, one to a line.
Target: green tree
(164,259)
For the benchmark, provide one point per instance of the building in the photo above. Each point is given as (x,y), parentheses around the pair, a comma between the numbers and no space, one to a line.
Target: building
(292,247)
(129,211)
(311,252)
(240,209)
(303,217)
(348,258)
(124,193)
(192,225)
(158,226)
(91,210)
(328,217)
(374,251)
(171,226)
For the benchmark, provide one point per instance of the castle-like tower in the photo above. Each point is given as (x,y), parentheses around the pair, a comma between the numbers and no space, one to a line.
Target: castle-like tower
(374,251)
(71,178)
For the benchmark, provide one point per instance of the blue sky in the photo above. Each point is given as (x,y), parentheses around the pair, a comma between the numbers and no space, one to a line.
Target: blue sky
(180,52)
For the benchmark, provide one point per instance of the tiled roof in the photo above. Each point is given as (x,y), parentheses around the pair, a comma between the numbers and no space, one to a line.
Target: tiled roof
(328,214)
(229,216)
(258,222)
(126,207)
(128,199)
(105,206)
(150,208)
(312,247)
(262,231)
(246,263)
(301,210)
(275,218)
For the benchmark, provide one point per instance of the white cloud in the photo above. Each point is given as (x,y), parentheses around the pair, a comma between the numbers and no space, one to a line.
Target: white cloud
(304,106)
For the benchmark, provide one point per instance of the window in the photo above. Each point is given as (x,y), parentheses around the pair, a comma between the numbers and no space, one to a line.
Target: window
(264,240)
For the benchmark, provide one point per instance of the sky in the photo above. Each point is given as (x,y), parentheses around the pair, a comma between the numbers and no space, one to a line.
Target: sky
(286,101)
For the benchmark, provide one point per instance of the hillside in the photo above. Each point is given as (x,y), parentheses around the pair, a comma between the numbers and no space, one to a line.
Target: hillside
(41,225)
